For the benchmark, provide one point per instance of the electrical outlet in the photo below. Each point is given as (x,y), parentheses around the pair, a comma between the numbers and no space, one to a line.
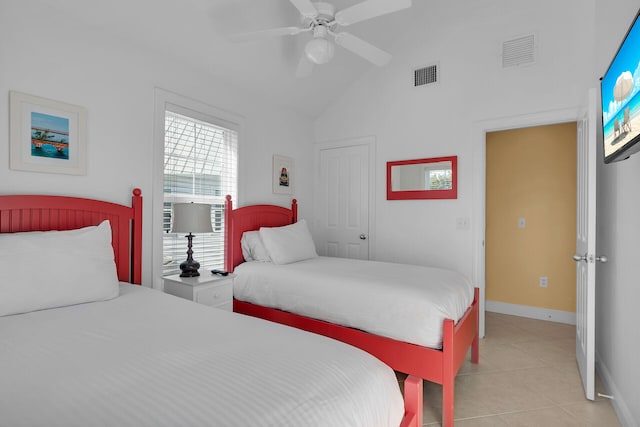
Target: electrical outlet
(544,281)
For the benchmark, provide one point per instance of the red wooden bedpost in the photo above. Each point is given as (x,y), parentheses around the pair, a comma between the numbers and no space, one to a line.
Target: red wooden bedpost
(294,211)
(136,249)
(448,373)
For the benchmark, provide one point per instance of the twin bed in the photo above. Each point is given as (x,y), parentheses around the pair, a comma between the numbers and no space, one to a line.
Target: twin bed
(83,345)
(420,321)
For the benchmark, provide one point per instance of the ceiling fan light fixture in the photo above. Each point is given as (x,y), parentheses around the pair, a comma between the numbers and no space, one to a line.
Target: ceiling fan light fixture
(321,18)
(319,50)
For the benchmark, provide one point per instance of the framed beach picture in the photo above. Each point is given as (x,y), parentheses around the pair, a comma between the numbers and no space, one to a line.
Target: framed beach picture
(46,135)
(283,175)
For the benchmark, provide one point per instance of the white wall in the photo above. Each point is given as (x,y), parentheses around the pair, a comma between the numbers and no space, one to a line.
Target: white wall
(44,54)
(618,283)
(466,40)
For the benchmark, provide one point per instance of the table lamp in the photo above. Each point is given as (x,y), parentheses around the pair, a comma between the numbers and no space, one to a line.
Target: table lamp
(191,218)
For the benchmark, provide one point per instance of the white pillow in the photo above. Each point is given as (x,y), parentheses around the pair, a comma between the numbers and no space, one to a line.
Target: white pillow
(244,245)
(252,247)
(47,269)
(288,244)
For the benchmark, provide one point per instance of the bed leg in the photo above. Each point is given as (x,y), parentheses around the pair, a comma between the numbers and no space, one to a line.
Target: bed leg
(475,345)
(447,404)
(413,402)
(448,376)
(475,350)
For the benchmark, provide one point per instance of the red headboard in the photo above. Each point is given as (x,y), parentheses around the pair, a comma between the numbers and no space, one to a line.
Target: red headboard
(43,213)
(247,218)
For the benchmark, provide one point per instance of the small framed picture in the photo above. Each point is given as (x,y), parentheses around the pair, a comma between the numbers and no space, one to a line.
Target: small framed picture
(46,135)
(283,174)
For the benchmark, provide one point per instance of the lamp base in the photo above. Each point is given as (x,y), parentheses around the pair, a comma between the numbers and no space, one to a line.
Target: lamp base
(189,268)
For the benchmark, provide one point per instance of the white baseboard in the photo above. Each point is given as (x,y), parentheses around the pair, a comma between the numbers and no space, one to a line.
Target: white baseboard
(618,403)
(531,312)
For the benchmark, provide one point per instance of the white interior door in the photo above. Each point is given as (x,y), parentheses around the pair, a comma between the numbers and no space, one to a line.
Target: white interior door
(342,204)
(585,245)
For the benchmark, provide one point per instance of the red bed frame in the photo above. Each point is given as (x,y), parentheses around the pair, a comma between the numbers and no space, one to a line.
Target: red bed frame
(435,365)
(43,213)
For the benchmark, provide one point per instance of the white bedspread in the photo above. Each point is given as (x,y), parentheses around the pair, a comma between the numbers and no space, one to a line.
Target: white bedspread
(405,302)
(151,359)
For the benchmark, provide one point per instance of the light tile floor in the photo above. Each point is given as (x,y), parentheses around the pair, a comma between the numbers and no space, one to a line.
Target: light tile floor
(527,376)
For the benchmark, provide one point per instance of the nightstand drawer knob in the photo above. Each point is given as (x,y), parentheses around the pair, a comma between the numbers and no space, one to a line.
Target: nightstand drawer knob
(214,295)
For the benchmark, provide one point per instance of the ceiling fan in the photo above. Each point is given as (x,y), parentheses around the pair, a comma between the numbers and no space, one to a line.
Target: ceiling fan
(322,20)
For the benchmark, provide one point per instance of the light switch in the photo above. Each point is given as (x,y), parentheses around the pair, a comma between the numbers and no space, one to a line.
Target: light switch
(462,223)
(522,223)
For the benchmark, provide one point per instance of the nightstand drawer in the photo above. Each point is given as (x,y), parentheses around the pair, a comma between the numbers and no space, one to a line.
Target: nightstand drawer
(214,295)
(211,290)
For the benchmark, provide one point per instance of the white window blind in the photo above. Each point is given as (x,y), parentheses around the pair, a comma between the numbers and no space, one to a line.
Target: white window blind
(200,165)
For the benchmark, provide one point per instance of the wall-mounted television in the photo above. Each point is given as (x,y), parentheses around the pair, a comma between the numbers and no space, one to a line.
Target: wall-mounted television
(620,93)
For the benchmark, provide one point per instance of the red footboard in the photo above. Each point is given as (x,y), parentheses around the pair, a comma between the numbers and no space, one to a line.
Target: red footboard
(435,365)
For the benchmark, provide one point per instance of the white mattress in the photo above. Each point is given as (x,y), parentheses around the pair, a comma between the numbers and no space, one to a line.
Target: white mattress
(151,359)
(405,302)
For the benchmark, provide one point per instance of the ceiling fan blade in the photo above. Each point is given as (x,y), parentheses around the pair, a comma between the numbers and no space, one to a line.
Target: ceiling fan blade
(369,9)
(305,7)
(305,67)
(362,48)
(284,31)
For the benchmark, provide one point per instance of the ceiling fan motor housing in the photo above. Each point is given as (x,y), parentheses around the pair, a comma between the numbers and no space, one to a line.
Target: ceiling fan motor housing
(326,13)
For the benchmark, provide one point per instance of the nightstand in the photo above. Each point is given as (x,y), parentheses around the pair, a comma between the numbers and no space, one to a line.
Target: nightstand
(208,289)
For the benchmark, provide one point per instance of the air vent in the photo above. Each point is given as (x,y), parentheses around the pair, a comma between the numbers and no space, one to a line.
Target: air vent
(425,75)
(519,51)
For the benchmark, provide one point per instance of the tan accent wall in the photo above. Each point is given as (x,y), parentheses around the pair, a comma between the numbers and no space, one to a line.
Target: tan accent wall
(531,174)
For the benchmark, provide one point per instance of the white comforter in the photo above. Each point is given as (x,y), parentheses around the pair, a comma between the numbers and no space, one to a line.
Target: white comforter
(405,302)
(150,359)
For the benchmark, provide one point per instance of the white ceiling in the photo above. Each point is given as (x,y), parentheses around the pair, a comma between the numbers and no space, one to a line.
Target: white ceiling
(196,33)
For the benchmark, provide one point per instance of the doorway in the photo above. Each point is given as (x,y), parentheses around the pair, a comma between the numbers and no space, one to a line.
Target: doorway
(531,222)
(479,131)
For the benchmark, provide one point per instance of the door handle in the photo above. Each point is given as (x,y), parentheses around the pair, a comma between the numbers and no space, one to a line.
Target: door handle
(591,258)
(363,237)
(578,258)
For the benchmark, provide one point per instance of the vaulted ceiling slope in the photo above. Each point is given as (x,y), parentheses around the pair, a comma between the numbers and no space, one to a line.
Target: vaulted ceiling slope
(197,33)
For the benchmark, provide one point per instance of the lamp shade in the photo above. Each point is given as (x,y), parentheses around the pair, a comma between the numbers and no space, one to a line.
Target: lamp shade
(191,218)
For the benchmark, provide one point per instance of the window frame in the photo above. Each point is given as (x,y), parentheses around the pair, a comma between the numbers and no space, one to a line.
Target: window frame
(176,103)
